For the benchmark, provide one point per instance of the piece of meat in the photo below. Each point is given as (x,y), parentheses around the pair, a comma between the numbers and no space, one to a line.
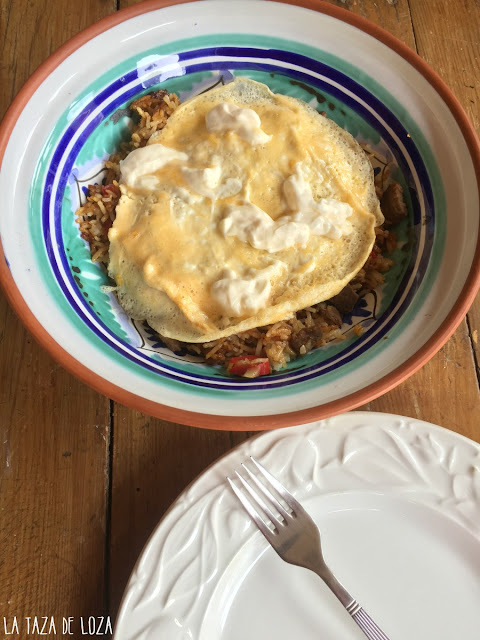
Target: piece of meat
(302,337)
(332,315)
(317,329)
(299,339)
(392,204)
(344,301)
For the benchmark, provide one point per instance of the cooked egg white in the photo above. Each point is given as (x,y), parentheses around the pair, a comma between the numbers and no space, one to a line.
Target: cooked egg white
(245,208)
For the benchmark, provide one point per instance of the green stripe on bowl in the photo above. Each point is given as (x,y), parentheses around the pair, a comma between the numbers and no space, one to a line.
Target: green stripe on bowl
(106,143)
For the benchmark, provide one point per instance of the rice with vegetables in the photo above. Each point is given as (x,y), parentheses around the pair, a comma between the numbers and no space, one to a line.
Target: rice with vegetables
(256,351)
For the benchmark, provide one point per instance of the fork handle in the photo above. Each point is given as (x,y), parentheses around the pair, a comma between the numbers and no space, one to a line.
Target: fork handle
(334,585)
(366,624)
(361,617)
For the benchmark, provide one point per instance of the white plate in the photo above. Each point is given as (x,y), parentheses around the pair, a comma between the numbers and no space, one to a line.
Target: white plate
(397,501)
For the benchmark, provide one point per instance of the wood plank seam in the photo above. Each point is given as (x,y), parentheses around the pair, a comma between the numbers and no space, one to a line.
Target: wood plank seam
(472,339)
(412,26)
(108,508)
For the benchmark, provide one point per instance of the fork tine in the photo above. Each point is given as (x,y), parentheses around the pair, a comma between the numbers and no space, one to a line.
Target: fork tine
(258,500)
(296,539)
(286,495)
(267,532)
(267,493)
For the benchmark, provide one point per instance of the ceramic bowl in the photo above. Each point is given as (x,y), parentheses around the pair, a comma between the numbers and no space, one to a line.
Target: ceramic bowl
(72,114)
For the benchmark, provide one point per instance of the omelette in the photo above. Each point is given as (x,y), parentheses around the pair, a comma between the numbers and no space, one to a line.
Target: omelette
(246,207)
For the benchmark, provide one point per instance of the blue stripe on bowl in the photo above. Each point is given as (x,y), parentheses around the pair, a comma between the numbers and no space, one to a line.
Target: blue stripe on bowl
(289,377)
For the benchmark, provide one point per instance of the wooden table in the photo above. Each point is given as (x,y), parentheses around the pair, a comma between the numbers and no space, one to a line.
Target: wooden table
(84,480)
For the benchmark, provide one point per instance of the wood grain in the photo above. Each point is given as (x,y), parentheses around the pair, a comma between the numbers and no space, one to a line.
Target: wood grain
(153,460)
(82,481)
(54,430)
(451,373)
(54,435)
(392,15)
(450,42)
(32,30)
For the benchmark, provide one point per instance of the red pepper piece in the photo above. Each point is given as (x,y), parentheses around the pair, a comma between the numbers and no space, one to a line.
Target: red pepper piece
(248,366)
(107,225)
(109,187)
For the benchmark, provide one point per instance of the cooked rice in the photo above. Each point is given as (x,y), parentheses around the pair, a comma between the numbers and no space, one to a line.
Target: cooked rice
(281,342)
(96,216)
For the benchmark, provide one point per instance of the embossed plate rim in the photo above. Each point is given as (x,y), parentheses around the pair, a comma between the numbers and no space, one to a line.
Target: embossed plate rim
(444,461)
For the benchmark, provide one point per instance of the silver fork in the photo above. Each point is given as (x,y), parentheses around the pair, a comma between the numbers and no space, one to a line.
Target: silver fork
(294,536)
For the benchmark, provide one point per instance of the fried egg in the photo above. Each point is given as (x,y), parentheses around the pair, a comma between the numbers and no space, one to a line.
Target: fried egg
(245,208)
